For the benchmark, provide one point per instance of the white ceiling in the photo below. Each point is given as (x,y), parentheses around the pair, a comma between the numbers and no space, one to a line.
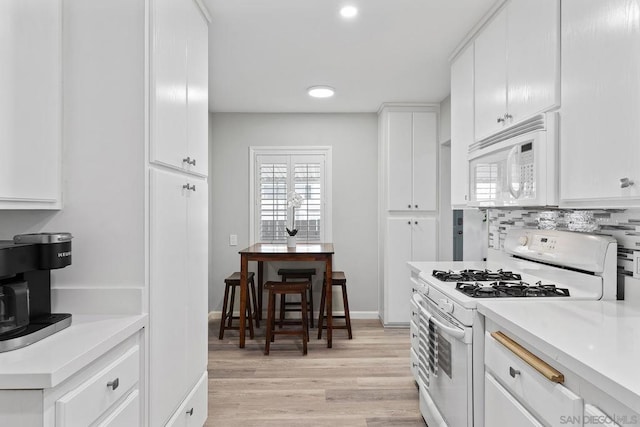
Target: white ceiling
(264,54)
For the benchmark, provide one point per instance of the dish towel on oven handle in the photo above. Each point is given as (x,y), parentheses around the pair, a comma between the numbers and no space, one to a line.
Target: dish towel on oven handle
(433,348)
(423,349)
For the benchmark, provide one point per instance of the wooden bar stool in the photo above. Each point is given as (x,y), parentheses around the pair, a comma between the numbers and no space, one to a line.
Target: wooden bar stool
(305,274)
(286,288)
(337,279)
(231,283)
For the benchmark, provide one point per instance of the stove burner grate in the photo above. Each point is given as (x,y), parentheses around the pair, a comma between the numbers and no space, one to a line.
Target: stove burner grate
(503,289)
(470,275)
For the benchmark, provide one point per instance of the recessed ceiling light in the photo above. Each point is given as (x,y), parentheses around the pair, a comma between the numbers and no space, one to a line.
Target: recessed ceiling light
(321,91)
(349,11)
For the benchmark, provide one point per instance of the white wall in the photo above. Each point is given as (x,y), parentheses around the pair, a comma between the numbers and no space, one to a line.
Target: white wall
(354,141)
(103,148)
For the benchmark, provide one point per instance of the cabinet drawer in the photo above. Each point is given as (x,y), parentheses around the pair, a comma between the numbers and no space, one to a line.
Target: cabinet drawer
(127,414)
(414,364)
(83,405)
(193,410)
(415,336)
(549,400)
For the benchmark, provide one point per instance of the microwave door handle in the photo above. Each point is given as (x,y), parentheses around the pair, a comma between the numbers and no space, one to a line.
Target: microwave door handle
(510,158)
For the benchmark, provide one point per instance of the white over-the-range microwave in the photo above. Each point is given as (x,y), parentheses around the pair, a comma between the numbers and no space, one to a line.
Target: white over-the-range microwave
(516,167)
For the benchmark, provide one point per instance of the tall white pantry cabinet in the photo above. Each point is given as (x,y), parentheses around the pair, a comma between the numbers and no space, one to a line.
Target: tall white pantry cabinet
(408,189)
(178,213)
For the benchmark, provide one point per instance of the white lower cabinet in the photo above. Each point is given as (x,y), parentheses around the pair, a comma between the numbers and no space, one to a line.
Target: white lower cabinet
(408,239)
(105,393)
(502,409)
(81,406)
(177,290)
(193,410)
(522,387)
(127,414)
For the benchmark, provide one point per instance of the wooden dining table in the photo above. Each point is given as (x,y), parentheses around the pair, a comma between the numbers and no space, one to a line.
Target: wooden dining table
(269,252)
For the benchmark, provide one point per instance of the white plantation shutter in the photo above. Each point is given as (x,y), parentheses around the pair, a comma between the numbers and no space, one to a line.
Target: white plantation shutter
(307,181)
(272,200)
(276,176)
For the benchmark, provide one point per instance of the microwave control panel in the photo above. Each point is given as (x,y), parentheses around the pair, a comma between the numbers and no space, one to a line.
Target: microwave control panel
(527,170)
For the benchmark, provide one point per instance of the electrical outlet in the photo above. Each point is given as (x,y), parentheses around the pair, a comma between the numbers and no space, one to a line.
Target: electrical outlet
(233,240)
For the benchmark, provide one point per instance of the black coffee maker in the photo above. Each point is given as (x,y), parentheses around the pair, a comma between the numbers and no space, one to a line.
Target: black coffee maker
(25,287)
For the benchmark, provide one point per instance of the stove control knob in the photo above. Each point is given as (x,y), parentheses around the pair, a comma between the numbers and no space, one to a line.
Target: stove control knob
(522,240)
(446,306)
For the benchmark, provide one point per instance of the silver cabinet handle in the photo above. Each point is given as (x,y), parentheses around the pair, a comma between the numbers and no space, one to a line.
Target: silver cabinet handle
(114,384)
(416,223)
(409,206)
(188,186)
(513,372)
(500,120)
(189,161)
(625,182)
(416,206)
(409,222)
(507,116)
(190,412)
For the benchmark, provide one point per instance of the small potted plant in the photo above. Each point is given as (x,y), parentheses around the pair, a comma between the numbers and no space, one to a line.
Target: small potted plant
(294,200)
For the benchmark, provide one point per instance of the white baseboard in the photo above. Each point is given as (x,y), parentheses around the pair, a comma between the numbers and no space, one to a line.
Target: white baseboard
(215,315)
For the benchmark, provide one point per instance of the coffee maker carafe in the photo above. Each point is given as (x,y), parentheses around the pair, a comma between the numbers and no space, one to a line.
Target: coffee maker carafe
(25,287)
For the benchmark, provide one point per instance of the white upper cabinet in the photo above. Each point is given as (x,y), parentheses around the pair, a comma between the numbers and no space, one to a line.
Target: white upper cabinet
(179,88)
(517,65)
(411,146)
(461,125)
(30,104)
(600,126)
(490,77)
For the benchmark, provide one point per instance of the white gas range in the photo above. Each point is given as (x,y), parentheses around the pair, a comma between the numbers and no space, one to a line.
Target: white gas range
(447,332)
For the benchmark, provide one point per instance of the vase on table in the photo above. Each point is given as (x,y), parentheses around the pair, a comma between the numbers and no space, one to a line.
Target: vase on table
(291,241)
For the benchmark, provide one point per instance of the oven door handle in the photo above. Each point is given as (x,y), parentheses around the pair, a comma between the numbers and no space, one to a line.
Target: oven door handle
(453,331)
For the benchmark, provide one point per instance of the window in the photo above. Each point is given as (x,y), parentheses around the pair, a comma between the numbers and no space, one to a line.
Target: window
(276,172)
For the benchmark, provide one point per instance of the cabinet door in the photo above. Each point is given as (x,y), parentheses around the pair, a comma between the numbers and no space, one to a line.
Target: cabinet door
(197,91)
(600,130)
(397,284)
(424,166)
(192,411)
(399,136)
(169,82)
(490,77)
(168,295)
(533,57)
(30,104)
(424,239)
(197,273)
(461,125)
(502,409)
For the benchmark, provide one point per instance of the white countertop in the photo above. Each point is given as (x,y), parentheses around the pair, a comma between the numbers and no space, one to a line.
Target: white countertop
(52,360)
(597,340)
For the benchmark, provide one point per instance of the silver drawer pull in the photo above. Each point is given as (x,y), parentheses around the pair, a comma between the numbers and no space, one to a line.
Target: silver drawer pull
(189,161)
(190,412)
(625,182)
(513,372)
(114,384)
(189,187)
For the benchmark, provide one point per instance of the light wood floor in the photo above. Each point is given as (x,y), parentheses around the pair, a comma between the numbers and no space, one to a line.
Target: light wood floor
(361,382)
